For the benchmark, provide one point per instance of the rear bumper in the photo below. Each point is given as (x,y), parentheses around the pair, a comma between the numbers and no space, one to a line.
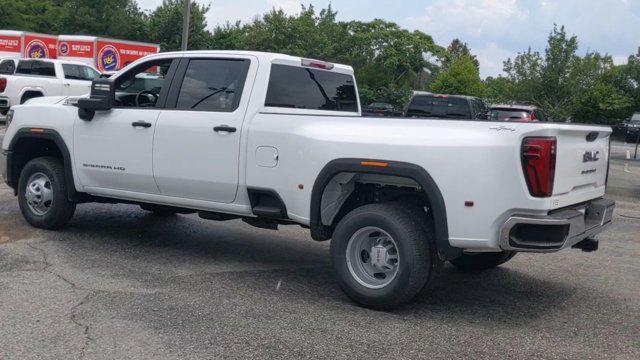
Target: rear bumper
(558,230)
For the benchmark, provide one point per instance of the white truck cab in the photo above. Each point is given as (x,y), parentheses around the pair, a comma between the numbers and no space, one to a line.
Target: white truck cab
(277,140)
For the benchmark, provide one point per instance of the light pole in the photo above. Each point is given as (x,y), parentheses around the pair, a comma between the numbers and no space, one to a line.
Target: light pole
(185,25)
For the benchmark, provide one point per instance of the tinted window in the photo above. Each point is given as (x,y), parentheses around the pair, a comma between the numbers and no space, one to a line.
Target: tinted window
(7,67)
(36,67)
(303,88)
(439,107)
(72,72)
(88,73)
(213,84)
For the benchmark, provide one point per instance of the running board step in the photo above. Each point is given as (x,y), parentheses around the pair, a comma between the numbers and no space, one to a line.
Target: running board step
(267,211)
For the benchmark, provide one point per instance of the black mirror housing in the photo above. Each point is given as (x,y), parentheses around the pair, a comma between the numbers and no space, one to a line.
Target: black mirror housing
(101,98)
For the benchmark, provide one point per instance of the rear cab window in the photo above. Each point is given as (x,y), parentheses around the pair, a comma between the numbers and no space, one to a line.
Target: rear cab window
(36,68)
(439,106)
(306,88)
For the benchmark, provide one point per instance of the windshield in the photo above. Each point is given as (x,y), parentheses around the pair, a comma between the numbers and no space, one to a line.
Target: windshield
(635,117)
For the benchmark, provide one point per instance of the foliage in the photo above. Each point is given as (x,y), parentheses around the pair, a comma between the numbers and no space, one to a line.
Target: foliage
(587,88)
(461,77)
(165,26)
(456,50)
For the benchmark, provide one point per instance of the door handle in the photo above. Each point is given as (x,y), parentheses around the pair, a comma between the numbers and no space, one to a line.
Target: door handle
(224,128)
(143,124)
(67,84)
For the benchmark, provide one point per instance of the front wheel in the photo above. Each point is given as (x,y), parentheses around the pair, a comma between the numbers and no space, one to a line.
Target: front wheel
(482,261)
(42,194)
(384,254)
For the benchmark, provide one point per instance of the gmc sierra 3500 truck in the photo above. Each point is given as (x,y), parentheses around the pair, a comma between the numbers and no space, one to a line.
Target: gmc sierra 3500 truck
(273,139)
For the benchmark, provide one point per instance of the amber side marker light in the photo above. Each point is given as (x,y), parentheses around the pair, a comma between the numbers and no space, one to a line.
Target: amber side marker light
(37,130)
(374,163)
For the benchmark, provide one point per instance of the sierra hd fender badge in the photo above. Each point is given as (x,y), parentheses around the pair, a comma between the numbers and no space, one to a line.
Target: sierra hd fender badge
(104,167)
(590,156)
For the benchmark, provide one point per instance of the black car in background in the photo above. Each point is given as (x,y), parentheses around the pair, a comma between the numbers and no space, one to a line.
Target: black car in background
(442,106)
(633,128)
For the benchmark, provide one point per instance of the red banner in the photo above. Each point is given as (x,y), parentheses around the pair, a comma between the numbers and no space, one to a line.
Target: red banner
(113,55)
(10,43)
(40,46)
(73,48)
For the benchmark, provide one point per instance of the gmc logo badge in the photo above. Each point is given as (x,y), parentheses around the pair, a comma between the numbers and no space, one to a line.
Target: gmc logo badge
(590,156)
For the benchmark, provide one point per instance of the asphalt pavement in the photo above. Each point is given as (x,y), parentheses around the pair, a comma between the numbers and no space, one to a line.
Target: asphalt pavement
(120,283)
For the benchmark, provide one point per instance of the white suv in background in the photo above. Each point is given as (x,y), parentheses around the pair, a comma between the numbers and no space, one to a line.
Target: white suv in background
(24,79)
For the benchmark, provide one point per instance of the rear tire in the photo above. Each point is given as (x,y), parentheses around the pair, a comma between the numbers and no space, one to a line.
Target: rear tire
(384,254)
(42,194)
(482,261)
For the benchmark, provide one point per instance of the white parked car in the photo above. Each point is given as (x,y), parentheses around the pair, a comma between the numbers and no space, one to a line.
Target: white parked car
(24,79)
(273,139)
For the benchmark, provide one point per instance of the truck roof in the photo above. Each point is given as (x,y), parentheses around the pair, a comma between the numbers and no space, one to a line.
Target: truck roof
(427,93)
(264,56)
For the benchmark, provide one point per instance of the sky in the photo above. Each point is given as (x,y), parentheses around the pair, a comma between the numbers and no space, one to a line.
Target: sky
(494,29)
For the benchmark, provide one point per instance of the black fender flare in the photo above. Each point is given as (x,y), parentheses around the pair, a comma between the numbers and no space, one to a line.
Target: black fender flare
(395,168)
(47,134)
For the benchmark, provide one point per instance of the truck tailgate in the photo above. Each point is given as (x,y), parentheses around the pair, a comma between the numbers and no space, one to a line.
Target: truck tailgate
(582,159)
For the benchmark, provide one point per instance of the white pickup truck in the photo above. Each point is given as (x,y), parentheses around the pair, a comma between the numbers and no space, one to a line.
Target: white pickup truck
(24,79)
(273,139)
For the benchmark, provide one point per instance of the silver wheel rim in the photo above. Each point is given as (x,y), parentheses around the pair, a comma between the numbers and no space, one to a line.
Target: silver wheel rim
(39,194)
(372,257)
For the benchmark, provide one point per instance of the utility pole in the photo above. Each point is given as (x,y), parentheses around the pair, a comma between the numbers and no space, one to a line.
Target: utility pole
(185,24)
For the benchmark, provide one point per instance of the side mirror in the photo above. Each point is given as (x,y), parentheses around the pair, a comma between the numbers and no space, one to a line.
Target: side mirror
(101,98)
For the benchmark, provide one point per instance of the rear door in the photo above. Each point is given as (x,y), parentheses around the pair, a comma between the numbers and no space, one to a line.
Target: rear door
(196,149)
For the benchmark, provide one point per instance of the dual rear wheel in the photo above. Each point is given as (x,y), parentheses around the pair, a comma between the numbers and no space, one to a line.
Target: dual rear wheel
(385,255)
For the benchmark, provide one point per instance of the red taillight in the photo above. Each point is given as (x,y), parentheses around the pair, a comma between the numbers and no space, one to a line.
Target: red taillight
(3,84)
(539,164)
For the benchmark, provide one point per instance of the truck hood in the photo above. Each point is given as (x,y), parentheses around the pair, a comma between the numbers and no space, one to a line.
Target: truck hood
(47,100)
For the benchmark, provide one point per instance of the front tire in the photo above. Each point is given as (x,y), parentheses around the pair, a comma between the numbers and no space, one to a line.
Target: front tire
(42,194)
(384,254)
(482,261)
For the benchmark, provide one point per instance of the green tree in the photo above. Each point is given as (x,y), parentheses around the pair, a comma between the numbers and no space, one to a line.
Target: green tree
(462,77)
(456,50)
(165,26)
(121,19)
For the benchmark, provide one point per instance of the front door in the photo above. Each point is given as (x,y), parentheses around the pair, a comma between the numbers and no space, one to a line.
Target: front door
(197,144)
(113,151)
